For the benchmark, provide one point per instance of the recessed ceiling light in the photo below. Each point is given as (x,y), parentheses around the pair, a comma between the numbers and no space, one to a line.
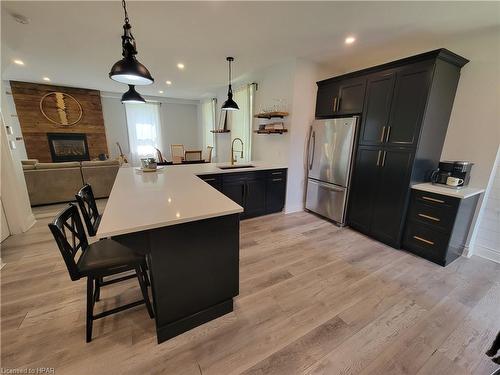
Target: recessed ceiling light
(46,79)
(168,82)
(19,62)
(19,18)
(350,40)
(161,91)
(180,66)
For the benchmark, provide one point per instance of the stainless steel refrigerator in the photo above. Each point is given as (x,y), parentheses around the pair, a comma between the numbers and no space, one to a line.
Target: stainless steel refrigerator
(330,157)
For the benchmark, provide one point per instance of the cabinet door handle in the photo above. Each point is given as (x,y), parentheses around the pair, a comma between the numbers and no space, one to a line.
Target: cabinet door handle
(429,217)
(209,179)
(382,135)
(388,133)
(378,157)
(335,104)
(338,104)
(432,199)
(277,179)
(276,172)
(423,240)
(383,158)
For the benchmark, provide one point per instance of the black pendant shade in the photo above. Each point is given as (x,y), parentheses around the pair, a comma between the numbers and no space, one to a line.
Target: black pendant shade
(128,70)
(132,96)
(230,104)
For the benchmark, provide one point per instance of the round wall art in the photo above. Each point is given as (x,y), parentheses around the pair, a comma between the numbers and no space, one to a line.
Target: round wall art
(61,109)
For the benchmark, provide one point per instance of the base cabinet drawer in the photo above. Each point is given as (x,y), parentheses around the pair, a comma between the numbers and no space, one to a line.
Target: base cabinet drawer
(426,242)
(441,218)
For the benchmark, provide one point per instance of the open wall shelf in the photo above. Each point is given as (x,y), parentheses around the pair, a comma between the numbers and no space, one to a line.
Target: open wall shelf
(271,131)
(270,115)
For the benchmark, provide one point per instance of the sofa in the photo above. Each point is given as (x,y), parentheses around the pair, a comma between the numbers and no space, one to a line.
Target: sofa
(59,182)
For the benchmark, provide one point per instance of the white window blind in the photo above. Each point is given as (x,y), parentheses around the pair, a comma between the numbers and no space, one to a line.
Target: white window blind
(241,121)
(144,132)
(208,124)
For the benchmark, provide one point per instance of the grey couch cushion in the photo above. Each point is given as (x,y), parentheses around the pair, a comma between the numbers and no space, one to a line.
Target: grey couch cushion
(68,164)
(29,161)
(97,163)
(54,185)
(101,178)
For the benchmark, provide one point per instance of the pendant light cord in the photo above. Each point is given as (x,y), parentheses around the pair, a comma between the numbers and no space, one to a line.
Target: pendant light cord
(124,5)
(128,40)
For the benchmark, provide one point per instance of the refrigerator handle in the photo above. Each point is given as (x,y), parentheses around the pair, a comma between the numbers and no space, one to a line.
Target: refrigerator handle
(313,136)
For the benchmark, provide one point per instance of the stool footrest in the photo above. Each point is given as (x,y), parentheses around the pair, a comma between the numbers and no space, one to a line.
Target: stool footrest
(117,309)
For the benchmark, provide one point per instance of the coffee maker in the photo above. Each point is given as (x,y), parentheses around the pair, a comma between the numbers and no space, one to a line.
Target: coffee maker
(458,169)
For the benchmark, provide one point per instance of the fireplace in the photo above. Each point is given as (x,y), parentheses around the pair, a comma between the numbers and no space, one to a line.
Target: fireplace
(68,147)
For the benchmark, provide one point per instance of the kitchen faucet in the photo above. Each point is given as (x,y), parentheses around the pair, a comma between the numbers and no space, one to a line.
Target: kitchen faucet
(233,159)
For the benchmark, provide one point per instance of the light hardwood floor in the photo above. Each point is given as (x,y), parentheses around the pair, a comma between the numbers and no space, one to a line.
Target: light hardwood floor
(314,299)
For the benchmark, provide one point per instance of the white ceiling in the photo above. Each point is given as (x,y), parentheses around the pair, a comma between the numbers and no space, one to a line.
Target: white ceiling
(75,43)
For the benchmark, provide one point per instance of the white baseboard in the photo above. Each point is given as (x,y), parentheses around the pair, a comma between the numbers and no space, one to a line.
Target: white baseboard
(486,252)
(296,208)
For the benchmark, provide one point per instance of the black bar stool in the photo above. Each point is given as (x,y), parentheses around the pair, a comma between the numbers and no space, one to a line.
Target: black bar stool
(102,258)
(92,219)
(88,208)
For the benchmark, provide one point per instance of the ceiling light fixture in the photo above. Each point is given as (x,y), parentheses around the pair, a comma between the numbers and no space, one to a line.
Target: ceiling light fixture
(168,82)
(230,104)
(180,66)
(19,18)
(132,96)
(161,91)
(350,40)
(46,79)
(128,70)
(19,62)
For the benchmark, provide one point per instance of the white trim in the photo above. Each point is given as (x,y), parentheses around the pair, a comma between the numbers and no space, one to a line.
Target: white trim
(486,252)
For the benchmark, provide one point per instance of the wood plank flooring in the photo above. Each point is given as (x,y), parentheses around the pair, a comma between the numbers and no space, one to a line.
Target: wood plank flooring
(314,299)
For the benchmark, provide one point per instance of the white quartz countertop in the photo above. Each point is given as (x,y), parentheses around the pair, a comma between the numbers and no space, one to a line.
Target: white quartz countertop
(171,195)
(462,193)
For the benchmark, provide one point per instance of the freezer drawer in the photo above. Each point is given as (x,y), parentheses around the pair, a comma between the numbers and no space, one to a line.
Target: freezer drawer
(326,200)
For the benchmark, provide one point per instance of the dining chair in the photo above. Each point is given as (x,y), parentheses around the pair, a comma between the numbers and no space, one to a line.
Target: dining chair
(194,155)
(88,208)
(177,153)
(95,261)
(208,159)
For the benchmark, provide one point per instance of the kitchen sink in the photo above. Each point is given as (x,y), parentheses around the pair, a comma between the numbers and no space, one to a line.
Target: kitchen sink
(237,166)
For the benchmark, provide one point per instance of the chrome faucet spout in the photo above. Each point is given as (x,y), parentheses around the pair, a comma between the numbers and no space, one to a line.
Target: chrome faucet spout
(233,159)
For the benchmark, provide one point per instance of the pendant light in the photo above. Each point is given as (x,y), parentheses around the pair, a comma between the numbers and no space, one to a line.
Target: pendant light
(132,96)
(230,104)
(128,70)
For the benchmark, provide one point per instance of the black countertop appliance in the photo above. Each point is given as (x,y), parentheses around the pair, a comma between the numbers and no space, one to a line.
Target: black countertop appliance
(457,169)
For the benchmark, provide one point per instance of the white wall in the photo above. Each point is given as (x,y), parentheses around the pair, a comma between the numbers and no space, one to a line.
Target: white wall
(304,101)
(293,81)
(179,123)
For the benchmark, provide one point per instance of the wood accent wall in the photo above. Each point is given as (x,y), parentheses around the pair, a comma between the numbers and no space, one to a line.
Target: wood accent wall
(35,126)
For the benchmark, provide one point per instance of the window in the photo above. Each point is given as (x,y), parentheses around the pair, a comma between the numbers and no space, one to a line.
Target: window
(143,120)
(241,121)
(208,123)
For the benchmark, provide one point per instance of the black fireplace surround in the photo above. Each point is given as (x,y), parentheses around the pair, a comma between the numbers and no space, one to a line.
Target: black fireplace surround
(68,147)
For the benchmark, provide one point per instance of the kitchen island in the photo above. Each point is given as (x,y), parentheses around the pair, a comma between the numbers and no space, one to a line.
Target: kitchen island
(190,234)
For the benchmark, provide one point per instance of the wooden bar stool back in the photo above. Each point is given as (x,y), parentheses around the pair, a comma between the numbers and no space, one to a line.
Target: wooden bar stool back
(88,208)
